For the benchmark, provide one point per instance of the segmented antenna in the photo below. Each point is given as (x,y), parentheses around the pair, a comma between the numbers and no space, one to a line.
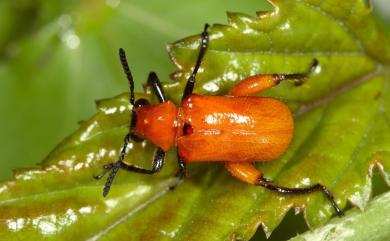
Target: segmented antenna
(129,76)
(114,167)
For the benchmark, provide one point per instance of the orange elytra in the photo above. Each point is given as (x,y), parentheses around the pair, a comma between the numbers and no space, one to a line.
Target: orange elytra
(237,129)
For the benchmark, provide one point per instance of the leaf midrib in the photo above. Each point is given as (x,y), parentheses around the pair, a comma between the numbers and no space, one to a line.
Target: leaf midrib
(331,95)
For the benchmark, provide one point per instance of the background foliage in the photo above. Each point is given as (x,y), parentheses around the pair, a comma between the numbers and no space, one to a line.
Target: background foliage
(56,58)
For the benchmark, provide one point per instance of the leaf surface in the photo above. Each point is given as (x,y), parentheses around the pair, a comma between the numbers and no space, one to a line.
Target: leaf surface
(357,226)
(342,133)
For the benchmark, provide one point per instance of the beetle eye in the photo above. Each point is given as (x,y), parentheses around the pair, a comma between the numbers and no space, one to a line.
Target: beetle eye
(187,129)
(141,102)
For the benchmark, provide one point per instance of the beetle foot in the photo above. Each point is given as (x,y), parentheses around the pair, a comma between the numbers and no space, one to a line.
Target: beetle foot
(299,82)
(180,175)
(106,168)
(264,179)
(175,184)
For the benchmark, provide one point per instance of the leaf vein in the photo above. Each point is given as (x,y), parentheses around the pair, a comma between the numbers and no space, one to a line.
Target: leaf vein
(340,22)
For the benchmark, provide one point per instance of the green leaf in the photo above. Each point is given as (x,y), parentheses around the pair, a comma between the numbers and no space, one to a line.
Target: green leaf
(342,111)
(342,133)
(55,85)
(357,225)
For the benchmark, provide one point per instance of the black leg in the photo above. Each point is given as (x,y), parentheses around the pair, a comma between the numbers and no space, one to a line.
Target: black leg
(314,188)
(181,173)
(191,81)
(106,168)
(114,167)
(158,90)
(299,79)
(157,165)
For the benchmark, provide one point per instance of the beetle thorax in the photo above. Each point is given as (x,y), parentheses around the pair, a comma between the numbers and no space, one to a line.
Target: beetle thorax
(157,123)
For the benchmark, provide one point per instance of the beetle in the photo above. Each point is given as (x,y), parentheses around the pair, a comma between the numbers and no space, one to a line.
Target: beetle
(237,129)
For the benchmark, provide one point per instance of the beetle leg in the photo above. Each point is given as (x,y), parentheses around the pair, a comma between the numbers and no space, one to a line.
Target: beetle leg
(106,168)
(155,83)
(253,85)
(158,163)
(313,188)
(181,173)
(191,80)
(258,83)
(246,172)
(115,165)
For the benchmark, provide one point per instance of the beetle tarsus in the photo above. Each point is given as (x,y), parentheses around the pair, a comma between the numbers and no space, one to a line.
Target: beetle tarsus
(114,167)
(175,184)
(313,67)
(101,175)
(106,168)
(158,163)
(182,172)
(285,190)
(299,79)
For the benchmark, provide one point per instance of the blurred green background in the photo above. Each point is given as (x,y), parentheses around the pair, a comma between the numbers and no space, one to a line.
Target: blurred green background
(57,57)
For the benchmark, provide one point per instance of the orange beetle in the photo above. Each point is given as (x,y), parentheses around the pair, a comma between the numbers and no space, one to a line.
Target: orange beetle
(237,129)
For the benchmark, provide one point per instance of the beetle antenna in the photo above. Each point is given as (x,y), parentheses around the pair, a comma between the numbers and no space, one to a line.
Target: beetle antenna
(129,76)
(204,42)
(111,177)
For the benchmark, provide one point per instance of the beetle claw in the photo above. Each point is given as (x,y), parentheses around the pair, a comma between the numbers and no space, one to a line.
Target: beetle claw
(175,184)
(98,177)
(106,168)
(181,174)
(261,178)
(299,82)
